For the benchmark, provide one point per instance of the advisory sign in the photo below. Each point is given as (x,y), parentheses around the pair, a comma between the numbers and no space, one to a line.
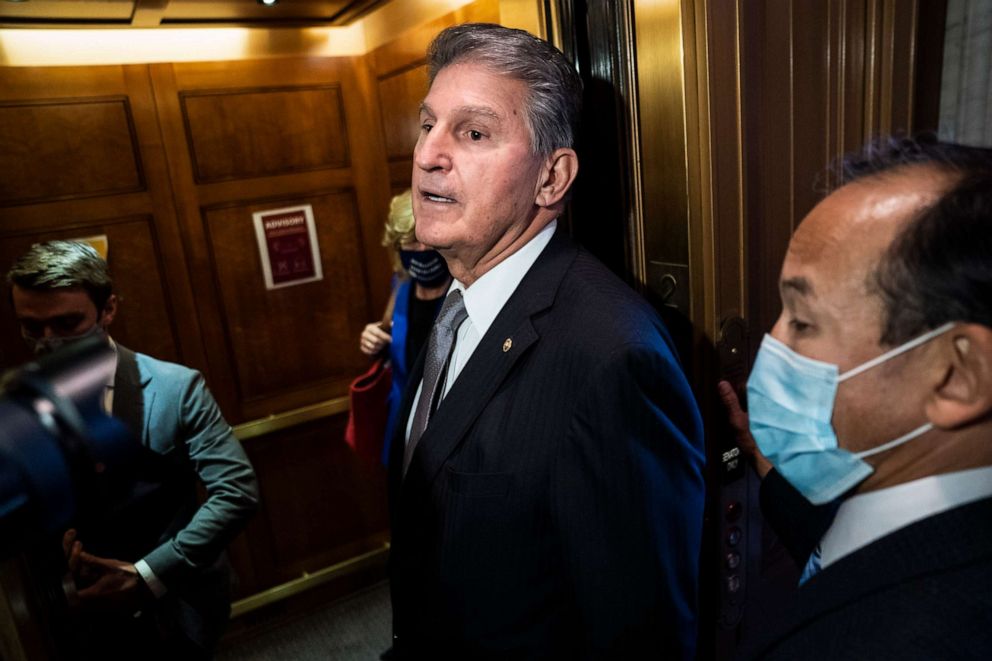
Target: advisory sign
(287,244)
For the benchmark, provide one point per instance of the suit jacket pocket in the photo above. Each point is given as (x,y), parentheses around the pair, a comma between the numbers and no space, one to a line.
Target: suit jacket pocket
(479,485)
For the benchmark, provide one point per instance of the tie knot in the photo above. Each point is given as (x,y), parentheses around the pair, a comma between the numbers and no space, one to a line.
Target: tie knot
(452,312)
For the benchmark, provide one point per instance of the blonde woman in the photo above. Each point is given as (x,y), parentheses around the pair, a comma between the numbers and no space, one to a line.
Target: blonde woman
(419,285)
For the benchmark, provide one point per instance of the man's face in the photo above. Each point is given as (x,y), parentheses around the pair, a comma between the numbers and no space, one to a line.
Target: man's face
(58,313)
(475,179)
(830,312)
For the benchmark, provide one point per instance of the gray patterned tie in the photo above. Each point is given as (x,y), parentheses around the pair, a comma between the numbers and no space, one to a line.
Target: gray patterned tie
(439,347)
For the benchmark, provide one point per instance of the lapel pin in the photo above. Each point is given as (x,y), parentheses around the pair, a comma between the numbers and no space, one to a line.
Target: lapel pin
(507,344)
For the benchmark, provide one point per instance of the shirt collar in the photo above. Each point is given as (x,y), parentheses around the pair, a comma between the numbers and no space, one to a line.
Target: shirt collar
(867,517)
(487,295)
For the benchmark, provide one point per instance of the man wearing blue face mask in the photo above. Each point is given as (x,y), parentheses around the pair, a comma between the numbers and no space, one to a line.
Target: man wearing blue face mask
(145,574)
(875,388)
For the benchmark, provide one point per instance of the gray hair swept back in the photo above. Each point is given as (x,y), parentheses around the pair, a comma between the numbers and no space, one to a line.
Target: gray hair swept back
(555,89)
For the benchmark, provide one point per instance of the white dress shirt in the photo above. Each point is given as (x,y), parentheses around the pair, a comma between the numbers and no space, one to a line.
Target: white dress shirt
(870,516)
(483,302)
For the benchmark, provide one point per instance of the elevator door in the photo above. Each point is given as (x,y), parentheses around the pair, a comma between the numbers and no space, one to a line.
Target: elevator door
(708,130)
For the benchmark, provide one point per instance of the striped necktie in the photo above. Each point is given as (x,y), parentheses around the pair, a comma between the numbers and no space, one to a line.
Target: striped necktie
(439,348)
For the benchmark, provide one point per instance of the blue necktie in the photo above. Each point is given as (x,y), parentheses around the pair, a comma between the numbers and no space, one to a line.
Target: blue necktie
(812,567)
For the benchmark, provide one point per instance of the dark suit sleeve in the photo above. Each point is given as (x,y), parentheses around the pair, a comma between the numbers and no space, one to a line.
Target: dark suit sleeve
(232,490)
(628,489)
(798,523)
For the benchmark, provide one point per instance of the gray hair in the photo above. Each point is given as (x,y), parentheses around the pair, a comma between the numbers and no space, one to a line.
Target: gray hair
(63,264)
(555,89)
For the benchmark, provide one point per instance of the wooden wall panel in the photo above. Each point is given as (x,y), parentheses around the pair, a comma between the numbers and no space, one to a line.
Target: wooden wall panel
(216,219)
(208,143)
(94,165)
(238,134)
(320,504)
(144,318)
(247,136)
(403,91)
(291,338)
(186,261)
(67,148)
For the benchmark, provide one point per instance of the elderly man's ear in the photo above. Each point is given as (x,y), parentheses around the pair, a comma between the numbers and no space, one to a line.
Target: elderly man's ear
(964,395)
(558,173)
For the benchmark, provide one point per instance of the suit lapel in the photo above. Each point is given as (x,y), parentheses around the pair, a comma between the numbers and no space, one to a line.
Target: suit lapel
(129,402)
(490,363)
(953,538)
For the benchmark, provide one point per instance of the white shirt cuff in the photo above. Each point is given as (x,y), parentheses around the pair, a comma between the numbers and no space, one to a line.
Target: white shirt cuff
(151,580)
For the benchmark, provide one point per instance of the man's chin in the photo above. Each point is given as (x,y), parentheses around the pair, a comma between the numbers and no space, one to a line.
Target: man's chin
(433,240)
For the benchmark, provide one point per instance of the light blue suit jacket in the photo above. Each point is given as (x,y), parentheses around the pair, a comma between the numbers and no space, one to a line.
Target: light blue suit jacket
(155,514)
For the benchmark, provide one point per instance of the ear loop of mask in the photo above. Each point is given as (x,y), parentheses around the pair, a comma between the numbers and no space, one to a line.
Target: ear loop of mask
(919,431)
(912,344)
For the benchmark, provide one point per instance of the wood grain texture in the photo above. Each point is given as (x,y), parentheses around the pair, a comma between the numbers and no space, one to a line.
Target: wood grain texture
(411,45)
(282,339)
(239,134)
(321,504)
(400,95)
(67,148)
(144,318)
(99,125)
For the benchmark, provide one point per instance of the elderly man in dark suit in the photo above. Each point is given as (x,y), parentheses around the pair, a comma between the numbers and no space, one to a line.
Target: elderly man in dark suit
(546,479)
(874,392)
(147,573)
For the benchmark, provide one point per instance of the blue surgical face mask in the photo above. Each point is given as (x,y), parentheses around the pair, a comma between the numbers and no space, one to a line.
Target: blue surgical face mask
(791,404)
(426,267)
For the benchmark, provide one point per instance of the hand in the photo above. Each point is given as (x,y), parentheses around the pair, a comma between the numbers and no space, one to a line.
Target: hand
(374,338)
(742,432)
(101,583)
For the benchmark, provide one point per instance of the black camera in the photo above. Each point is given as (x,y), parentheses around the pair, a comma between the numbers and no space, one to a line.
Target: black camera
(56,443)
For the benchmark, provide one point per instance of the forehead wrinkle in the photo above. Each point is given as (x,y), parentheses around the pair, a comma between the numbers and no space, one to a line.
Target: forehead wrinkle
(477,111)
(480,110)
(471,111)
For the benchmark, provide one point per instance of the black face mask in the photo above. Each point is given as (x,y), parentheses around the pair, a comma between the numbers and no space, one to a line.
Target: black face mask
(42,346)
(426,267)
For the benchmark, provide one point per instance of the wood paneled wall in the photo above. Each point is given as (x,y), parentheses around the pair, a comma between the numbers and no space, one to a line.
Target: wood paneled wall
(247,136)
(170,161)
(82,155)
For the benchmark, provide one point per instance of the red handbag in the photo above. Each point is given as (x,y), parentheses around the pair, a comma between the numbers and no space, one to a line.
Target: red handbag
(366,430)
(369,395)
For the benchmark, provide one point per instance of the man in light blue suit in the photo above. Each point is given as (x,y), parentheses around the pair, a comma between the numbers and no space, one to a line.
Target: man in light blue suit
(146,574)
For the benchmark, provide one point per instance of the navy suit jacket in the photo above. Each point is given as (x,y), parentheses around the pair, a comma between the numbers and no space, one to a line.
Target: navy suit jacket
(921,592)
(553,507)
